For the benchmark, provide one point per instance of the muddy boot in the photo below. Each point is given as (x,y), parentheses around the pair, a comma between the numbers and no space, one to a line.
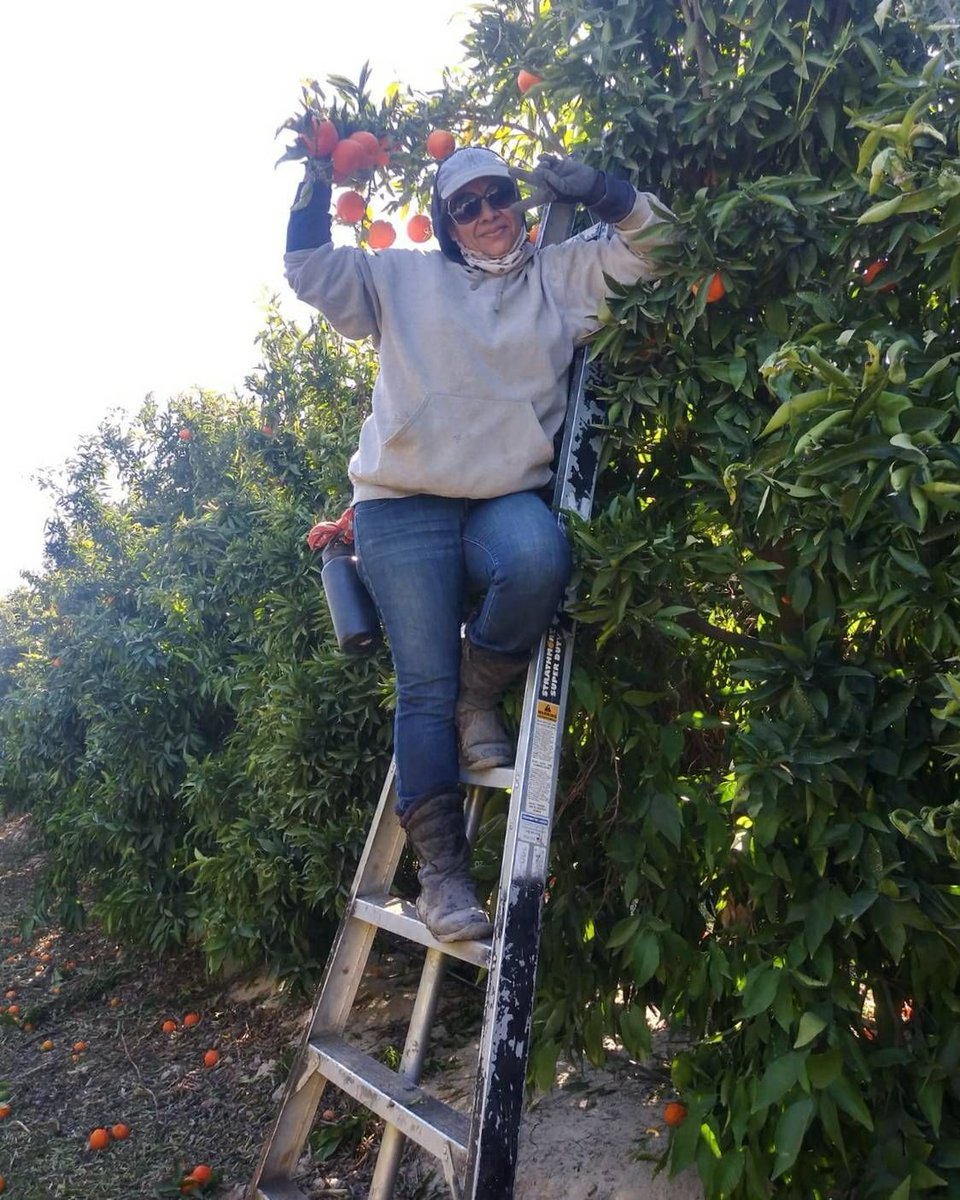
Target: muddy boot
(447,903)
(484,676)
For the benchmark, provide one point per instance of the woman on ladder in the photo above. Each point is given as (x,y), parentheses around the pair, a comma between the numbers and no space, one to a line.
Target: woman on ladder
(475,343)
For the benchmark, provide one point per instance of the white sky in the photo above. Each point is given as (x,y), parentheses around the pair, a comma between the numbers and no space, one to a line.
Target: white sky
(142,222)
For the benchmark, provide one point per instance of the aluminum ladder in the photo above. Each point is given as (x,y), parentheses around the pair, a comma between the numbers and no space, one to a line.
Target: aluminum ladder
(477,1152)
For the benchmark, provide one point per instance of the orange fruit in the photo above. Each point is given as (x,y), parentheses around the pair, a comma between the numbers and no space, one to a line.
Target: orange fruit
(328,1115)
(674,1114)
(47,1045)
(715,288)
(169,1026)
(320,138)
(5,1111)
(56,662)
(440,144)
(114,1001)
(211,1058)
(98,1140)
(3,1184)
(14,1010)
(45,958)
(347,158)
(189,1184)
(534,233)
(27,1027)
(350,207)
(419,228)
(79,1047)
(526,80)
(368,144)
(184,435)
(11,994)
(873,270)
(191,1018)
(120,1131)
(201,1173)
(267,431)
(381,235)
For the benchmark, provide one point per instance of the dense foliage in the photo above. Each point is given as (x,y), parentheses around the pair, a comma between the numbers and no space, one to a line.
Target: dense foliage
(176,717)
(759,831)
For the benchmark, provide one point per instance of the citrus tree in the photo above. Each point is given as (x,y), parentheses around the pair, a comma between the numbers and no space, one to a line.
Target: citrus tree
(758,833)
(172,710)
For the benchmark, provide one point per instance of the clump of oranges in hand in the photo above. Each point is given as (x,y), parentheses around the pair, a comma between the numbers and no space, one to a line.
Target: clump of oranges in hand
(337,151)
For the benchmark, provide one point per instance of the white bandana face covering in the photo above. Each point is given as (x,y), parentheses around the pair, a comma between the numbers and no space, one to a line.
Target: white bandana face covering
(478,265)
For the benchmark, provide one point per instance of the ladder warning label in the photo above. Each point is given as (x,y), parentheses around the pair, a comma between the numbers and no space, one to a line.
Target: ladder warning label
(547,711)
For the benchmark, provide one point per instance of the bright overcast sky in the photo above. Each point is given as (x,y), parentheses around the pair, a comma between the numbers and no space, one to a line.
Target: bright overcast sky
(142,222)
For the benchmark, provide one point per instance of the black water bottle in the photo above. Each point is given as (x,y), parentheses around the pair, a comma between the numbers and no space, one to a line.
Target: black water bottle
(355,620)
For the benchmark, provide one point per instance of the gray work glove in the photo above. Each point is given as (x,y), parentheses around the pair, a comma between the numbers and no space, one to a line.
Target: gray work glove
(569,180)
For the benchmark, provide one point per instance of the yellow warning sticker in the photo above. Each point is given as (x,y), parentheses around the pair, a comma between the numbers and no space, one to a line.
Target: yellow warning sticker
(547,711)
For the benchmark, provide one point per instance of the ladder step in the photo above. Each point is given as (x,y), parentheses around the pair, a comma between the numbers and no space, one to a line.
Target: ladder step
(494,777)
(278,1189)
(400,916)
(440,1129)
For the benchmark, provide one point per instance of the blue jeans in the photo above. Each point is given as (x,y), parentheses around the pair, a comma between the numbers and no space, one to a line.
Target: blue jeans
(421,557)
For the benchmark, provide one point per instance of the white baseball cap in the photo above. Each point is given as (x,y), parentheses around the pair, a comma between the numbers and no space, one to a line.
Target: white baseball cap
(463,166)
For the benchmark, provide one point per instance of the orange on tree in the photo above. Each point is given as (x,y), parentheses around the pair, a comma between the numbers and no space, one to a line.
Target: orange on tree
(527,79)
(11,994)
(5,1111)
(14,1010)
(99,1139)
(120,1131)
(350,207)
(328,1115)
(381,235)
(347,158)
(320,138)
(201,1173)
(533,233)
(715,288)
(872,270)
(47,1045)
(419,228)
(440,144)
(211,1058)
(369,145)
(79,1047)
(674,1114)
(3,1184)
(184,435)
(169,1026)
(191,1018)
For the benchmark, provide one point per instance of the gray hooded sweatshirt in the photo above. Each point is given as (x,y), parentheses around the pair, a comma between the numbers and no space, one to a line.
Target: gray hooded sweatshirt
(473,373)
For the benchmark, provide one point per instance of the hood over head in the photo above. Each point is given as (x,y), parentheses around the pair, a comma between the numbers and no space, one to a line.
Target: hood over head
(462,166)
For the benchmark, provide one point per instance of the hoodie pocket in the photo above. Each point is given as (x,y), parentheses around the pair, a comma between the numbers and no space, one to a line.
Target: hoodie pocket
(465,446)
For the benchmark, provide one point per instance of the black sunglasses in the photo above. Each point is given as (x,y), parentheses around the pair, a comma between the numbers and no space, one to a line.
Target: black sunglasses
(466,208)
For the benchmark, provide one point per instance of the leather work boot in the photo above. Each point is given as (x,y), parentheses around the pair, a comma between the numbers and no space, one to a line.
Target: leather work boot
(484,676)
(447,903)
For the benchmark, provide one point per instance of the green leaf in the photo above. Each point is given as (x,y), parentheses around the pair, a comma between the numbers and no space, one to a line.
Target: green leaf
(760,989)
(823,1069)
(811,1024)
(779,1077)
(790,1132)
(848,1098)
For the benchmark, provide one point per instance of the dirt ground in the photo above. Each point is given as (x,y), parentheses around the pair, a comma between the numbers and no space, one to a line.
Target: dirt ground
(61,989)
